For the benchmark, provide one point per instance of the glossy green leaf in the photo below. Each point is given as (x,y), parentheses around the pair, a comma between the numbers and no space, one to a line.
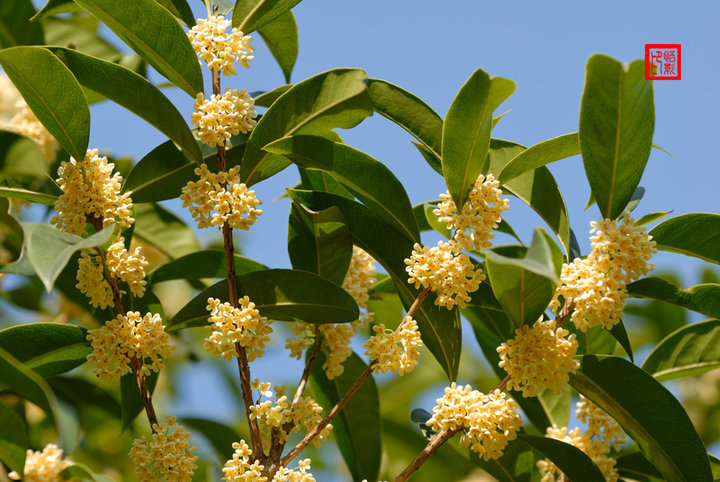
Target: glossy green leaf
(250,15)
(337,98)
(54,7)
(26,383)
(13,440)
(409,112)
(220,436)
(439,327)
(48,348)
(80,32)
(278,294)
(573,462)
(180,9)
(267,98)
(541,154)
(15,27)
(52,93)
(131,403)
(651,218)
(688,351)
(368,179)
(694,234)
(620,334)
(714,466)
(49,249)
(466,131)
(704,298)
(133,92)
(82,394)
(661,429)
(314,180)
(25,195)
(517,463)
(281,37)
(432,220)
(537,189)
(357,427)
(152,32)
(201,264)
(634,465)
(159,227)
(319,242)
(617,120)
(434,162)
(557,406)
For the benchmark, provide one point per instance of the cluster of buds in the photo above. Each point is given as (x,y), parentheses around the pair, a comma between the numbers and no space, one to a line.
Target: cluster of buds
(217,48)
(43,466)
(384,348)
(166,456)
(239,468)
(231,326)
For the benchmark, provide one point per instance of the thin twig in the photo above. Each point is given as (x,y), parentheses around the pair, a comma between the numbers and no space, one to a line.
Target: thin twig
(314,352)
(136,365)
(432,446)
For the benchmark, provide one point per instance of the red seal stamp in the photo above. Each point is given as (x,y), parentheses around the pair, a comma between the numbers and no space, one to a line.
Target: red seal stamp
(662,61)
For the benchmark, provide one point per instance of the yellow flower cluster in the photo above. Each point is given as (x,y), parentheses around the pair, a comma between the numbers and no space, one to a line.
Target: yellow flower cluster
(490,421)
(239,468)
(599,424)
(216,199)
(90,189)
(243,325)
(360,276)
(43,466)
(480,214)
(121,264)
(124,338)
(596,284)
(452,276)
(219,49)
(538,358)
(222,116)
(385,348)
(275,415)
(168,456)
(16,116)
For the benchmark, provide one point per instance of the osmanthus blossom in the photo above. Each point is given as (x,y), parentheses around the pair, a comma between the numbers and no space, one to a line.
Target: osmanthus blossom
(395,351)
(166,456)
(239,468)
(223,115)
(220,50)
(43,466)
(230,325)
(538,357)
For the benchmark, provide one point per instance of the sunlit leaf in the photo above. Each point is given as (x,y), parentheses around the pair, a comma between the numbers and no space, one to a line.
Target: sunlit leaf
(694,234)
(281,37)
(540,155)
(201,264)
(15,28)
(25,382)
(159,227)
(250,15)
(704,298)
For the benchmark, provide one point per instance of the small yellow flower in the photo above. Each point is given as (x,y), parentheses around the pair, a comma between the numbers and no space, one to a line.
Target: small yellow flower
(222,116)
(385,348)
(600,425)
(242,325)
(43,466)
(360,276)
(219,49)
(582,440)
(167,456)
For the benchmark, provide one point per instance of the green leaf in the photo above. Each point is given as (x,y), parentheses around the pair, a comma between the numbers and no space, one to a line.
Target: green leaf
(201,264)
(466,131)
(48,348)
(439,327)
(688,351)
(620,334)
(433,162)
(556,405)
(517,463)
(617,119)
(180,9)
(133,92)
(268,98)
(131,402)
(432,220)
(13,440)
(694,234)
(281,37)
(661,428)
(314,180)
(368,179)
(26,383)
(537,189)
(48,249)
(541,154)
(409,112)
(319,242)
(714,466)
(152,32)
(159,227)
(572,461)
(525,286)
(25,195)
(634,465)
(337,98)
(357,426)
(220,436)
(651,217)
(80,32)
(704,298)
(250,15)
(54,7)
(279,294)
(15,25)
(420,417)
(82,394)
(81,472)
(52,93)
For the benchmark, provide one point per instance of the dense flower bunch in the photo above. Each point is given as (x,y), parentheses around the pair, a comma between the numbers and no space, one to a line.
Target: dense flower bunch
(600,424)
(449,274)
(222,116)
(90,189)
(538,358)
(243,325)
(480,214)
(276,415)
(16,116)
(385,348)
(596,284)
(219,49)
(239,468)
(124,338)
(43,466)
(360,276)
(220,198)
(490,421)
(167,456)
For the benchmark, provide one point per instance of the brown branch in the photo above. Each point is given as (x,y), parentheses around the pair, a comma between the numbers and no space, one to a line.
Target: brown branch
(432,446)
(418,301)
(136,365)
(314,352)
